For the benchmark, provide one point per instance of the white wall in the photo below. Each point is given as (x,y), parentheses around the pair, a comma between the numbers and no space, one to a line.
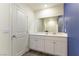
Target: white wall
(5,42)
(50,12)
(31,17)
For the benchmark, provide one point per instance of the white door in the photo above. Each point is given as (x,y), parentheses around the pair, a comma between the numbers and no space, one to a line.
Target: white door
(19,31)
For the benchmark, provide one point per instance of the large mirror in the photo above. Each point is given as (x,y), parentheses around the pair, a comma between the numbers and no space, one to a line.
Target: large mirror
(52,24)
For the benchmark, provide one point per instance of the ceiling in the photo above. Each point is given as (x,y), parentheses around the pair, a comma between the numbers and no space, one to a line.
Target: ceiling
(38,6)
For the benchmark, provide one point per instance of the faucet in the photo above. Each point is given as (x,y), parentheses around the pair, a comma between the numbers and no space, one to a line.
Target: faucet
(46,31)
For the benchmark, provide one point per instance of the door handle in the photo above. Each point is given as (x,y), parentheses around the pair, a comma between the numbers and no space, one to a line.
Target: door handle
(13,36)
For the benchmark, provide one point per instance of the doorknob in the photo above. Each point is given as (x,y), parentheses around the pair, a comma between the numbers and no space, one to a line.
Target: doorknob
(14,36)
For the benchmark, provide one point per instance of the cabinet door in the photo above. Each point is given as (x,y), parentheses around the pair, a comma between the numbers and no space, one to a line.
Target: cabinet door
(49,45)
(33,43)
(61,46)
(40,44)
(37,42)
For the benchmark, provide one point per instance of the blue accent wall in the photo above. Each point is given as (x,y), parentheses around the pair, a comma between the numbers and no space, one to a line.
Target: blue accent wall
(71,18)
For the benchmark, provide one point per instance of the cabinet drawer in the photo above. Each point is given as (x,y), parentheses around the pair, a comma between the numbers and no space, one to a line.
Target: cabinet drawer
(51,39)
(36,37)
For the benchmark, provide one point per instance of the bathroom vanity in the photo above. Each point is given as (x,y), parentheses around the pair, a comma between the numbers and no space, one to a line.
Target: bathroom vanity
(51,43)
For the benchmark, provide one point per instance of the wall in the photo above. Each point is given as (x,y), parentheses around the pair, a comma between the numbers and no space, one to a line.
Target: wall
(31,17)
(40,27)
(50,24)
(50,12)
(5,41)
(71,14)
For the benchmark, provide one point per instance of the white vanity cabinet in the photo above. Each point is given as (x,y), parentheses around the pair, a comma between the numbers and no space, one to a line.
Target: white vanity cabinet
(37,43)
(49,44)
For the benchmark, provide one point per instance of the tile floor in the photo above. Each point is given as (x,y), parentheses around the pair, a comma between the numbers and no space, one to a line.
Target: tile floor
(35,53)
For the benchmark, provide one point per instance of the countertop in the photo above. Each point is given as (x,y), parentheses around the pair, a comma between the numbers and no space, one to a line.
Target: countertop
(50,34)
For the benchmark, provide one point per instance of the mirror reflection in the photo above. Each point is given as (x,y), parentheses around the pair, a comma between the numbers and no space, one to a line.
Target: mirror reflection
(52,24)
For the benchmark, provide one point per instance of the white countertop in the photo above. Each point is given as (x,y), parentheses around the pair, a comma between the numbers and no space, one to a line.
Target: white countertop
(50,34)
